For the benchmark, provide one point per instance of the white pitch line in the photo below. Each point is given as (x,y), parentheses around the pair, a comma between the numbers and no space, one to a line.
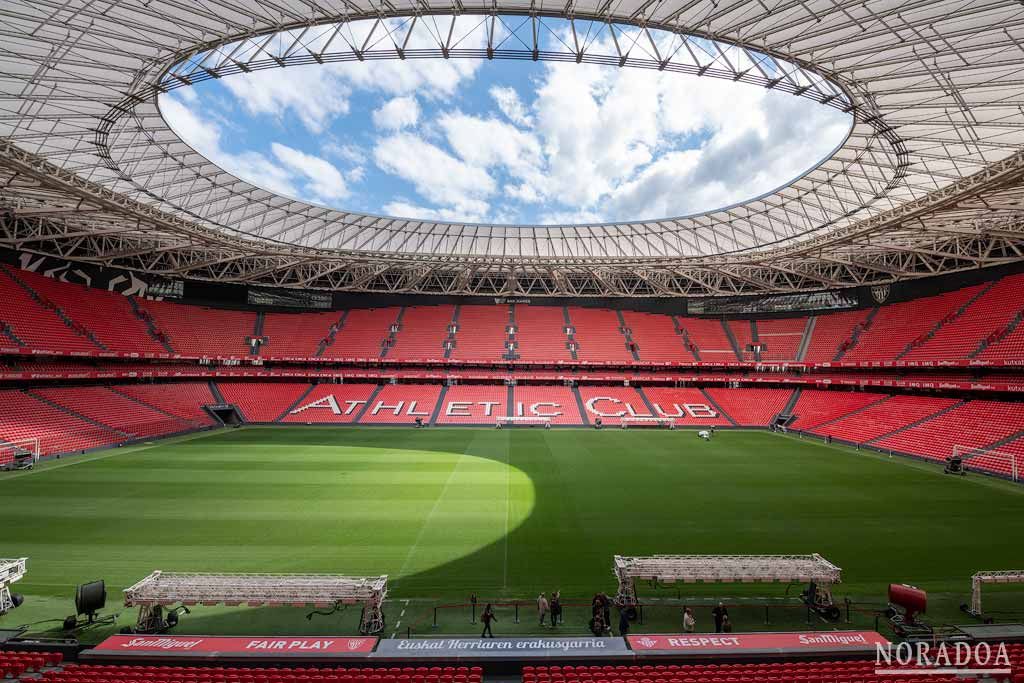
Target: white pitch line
(426,521)
(508,507)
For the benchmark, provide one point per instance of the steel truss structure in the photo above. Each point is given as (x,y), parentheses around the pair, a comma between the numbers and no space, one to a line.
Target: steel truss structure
(982,578)
(720,569)
(10,571)
(929,179)
(161,589)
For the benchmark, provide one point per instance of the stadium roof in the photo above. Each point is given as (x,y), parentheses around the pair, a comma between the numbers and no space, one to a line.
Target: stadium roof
(928,181)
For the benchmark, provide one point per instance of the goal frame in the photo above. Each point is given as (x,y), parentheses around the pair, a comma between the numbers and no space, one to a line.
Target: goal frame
(526,421)
(967,453)
(9,447)
(666,422)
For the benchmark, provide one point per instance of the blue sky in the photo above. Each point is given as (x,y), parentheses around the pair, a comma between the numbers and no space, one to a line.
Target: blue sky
(503,141)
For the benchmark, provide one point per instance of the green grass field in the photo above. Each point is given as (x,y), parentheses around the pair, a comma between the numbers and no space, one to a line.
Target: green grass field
(505,514)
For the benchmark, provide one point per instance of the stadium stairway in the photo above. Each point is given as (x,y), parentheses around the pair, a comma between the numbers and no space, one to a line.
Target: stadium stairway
(856,333)
(332,331)
(151,328)
(76,415)
(856,411)
(732,339)
(714,404)
(943,322)
(805,341)
(186,423)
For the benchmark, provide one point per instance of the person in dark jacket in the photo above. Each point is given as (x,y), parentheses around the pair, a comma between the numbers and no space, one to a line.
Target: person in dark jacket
(720,614)
(623,622)
(487,617)
(556,608)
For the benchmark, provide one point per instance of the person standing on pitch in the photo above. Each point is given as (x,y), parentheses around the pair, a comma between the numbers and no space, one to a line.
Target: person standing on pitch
(556,608)
(720,614)
(542,608)
(623,622)
(487,617)
(689,623)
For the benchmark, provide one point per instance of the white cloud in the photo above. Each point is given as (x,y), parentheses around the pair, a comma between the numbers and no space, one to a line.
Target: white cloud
(507,99)
(437,176)
(397,113)
(315,95)
(324,180)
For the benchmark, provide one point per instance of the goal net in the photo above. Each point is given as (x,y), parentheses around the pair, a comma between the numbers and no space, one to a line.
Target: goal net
(16,451)
(666,422)
(1001,462)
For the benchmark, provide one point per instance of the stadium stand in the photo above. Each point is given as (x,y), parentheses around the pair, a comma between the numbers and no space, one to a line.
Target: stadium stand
(423,332)
(331,404)
(402,404)
(482,333)
(262,401)
(830,333)
(613,403)
(818,406)
(656,337)
(473,404)
(882,417)
(540,334)
(202,331)
(114,410)
(558,403)
(743,334)
(93,673)
(708,338)
(598,335)
(687,406)
(781,338)
(24,416)
(183,399)
(297,335)
(751,407)
(363,333)
(31,322)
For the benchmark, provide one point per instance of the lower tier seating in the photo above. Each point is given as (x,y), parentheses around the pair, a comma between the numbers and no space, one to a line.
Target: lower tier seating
(751,407)
(817,406)
(91,673)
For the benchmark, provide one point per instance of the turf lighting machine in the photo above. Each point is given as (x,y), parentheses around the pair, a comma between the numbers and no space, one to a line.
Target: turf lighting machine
(906,603)
(10,571)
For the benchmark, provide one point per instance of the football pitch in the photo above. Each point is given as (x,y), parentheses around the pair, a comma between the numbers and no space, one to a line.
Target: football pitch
(504,514)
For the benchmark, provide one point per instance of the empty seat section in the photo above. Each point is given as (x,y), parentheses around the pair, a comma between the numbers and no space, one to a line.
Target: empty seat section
(656,337)
(831,331)
(743,335)
(262,401)
(708,335)
(598,336)
(202,331)
(116,411)
(611,403)
(115,673)
(687,406)
(540,334)
(107,315)
(32,323)
(817,406)
(879,419)
(422,334)
(751,407)
(991,312)
(26,417)
(976,424)
(898,325)
(296,335)
(402,404)
(363,334)
(483,333)
(780,339)
(331,404)
(184,399)
(556,403)
(1006,459)
(473,404)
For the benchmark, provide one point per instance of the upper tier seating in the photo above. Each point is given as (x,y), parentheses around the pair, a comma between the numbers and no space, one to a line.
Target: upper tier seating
(687,406)
(976,424)
(402,404)
(107,315)
(818,406)
(898,325)
(296,335)
(540,334)
(25,417)
(423,332)
(363,333)
(37,326)
(882,417)
(201,331)
(262,401)
(482,333)
(557,403)
(331,404)
(473,404)
(744,336)
(780,338)
(116,411)
(598,336)
(708,335)
(751,407)
(611,404)
(184,399)
(830,332)
(656,337)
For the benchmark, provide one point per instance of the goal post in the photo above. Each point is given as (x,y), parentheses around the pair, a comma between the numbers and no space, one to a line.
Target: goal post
(665,422)
(991,459)
(18,449)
